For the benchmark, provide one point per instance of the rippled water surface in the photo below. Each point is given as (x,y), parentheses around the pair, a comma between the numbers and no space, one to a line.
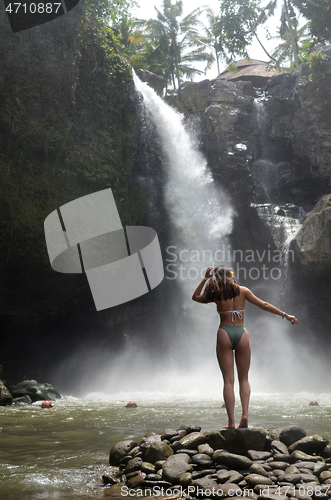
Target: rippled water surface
(60,453)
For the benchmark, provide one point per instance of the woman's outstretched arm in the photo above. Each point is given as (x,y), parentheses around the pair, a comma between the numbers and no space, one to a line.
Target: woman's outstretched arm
(197,297)
(250,297)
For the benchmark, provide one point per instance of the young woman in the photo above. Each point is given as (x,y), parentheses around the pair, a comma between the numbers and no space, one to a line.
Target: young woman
(229,297)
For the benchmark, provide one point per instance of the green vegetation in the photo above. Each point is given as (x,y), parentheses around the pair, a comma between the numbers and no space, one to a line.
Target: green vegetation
(64,132)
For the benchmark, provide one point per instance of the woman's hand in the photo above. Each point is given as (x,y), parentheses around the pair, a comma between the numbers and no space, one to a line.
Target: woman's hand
(293,319)
(208,273)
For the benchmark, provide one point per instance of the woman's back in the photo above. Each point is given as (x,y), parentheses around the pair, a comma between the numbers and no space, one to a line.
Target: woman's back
(231,311)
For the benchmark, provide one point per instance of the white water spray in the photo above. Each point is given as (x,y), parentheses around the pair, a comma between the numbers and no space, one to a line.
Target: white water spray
(201,215)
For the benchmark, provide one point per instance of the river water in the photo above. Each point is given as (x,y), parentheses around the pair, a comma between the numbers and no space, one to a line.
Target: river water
(60,453)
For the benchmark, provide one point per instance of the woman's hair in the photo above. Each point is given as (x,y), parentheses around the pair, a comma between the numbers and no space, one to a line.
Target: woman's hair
(222,285)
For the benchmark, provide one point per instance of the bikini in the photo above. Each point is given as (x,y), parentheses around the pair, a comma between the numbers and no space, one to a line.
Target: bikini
(234,332)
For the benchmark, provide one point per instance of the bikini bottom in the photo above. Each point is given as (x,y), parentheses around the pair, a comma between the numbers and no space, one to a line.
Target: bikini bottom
(234,333)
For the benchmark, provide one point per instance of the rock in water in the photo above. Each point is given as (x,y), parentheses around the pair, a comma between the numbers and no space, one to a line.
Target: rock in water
(120,450)
(6,397)
(35,391)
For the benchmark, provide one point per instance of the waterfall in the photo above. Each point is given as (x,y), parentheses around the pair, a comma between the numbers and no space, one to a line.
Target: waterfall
(200,216)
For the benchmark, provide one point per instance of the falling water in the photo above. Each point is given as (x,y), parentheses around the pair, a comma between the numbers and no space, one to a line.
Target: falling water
(200,215)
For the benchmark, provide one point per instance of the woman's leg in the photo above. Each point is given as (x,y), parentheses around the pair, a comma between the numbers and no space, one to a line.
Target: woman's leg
(243,360)
(225,360)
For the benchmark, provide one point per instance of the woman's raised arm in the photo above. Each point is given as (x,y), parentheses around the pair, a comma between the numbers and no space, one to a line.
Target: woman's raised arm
(197,297)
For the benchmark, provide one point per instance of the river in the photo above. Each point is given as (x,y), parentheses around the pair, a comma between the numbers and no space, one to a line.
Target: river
(60,453)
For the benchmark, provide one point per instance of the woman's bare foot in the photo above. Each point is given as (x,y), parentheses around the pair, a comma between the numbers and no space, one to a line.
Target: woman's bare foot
(230,426)
(243,422)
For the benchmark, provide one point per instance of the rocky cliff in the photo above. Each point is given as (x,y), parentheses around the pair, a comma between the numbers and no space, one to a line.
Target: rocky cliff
(270,145)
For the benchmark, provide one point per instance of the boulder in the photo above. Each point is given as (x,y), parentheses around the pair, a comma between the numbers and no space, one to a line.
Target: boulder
(6,398)
(290,434)
(237,440)
(175,466)
(158,450)
(310,444)
(120,450)
(35,390)
(312,244)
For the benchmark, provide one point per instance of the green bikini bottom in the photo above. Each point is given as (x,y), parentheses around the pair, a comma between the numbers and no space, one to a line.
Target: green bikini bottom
(234,333)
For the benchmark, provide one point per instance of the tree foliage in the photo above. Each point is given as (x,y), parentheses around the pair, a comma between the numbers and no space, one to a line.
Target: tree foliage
(173,42)
(319,14)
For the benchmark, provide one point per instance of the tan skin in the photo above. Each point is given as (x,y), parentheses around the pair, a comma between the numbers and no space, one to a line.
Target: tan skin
(242,352)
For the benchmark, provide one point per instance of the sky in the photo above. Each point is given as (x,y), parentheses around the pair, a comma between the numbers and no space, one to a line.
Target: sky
(147,11)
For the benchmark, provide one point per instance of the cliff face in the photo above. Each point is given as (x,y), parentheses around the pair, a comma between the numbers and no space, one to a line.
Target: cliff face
(270,146)
(65,120)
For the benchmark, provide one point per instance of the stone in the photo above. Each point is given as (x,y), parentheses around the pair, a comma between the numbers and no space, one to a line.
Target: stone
(279,447)
(259,455)
(175,466)
(168,434)
(190,453)
(205,448)
(324,476)
(236,478)
(254,479)
(238,440)
(310,444)
(35,390)
(301,455)
(319,467)
(133,465)
(120,450)
(192,440)
(110,476)
(207,487)
(258,469)
(306,465)
(308,478)
(185,479)
(148,468)
(24,400)
(146,441)
(279,465)
(289,478)
(6,398)
(136,480)
(233,460)
(292,469)
(189,428)
(290,434)
(224,475)
(202,459)
(157,451)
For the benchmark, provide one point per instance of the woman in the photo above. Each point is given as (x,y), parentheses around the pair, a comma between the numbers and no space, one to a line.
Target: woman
(232,335)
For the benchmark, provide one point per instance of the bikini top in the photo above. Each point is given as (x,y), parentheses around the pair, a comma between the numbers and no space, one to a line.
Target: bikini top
(236,314)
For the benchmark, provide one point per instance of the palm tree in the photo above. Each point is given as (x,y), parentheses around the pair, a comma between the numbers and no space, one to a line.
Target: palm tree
(175,42)
(284,51)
